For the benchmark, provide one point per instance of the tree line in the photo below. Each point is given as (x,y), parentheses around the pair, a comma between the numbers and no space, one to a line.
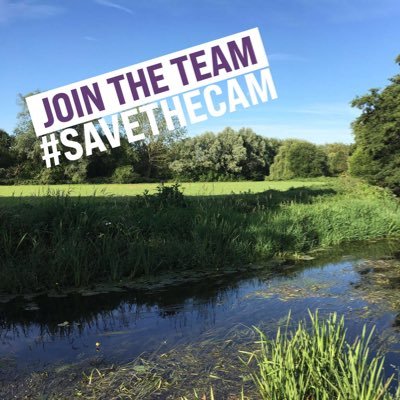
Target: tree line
(223,156)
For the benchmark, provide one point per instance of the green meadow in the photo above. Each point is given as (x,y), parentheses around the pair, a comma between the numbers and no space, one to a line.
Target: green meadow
(188,188)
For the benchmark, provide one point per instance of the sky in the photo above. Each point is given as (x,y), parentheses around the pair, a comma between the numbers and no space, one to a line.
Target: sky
(322,53)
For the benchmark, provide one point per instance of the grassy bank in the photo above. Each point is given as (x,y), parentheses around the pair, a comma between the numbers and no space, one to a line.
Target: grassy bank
(57,241)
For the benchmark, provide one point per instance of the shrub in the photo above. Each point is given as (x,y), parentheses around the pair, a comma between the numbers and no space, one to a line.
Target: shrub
(125,174)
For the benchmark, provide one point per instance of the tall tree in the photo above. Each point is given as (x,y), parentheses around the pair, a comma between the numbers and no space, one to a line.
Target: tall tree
(299,159)
(338,157)
(26,145)
(377,136)
(6,154)
(226,155)
(154,152)
(260,153)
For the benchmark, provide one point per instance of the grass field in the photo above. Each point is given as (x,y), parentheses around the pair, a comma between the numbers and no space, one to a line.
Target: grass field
(189,189)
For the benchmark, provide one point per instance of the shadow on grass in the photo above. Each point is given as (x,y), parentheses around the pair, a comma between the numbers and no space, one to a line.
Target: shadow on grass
(271,197)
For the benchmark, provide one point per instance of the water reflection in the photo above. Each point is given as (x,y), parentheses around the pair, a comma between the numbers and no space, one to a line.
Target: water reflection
(65,330)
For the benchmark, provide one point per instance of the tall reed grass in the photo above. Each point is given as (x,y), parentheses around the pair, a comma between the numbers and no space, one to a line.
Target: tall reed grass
(57,240)
(317,362)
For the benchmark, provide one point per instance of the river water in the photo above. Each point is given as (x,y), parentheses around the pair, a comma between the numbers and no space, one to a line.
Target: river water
(361,281)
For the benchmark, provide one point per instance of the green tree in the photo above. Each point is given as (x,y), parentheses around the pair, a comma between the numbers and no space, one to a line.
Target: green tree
(7,158)
(227,155)
(210,157)
(377,136)
(50,176)
(26,144)
(338,157)
(191,158)
(299,159)
(125,174)
(154,152)
(258,155)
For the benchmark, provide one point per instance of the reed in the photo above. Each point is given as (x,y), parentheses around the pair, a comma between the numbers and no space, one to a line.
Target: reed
(317,362)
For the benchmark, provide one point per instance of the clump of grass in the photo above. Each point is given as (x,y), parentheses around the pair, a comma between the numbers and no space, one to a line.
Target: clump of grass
(352,214)
(319,363)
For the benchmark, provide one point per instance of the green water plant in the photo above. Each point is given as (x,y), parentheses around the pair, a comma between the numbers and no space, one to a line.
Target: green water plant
(317,362)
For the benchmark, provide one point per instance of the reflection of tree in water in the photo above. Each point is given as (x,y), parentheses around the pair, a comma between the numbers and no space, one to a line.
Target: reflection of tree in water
(107,312)
(113,311)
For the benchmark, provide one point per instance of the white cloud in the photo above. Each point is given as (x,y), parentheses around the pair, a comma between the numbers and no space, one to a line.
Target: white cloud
(26,9)
(111,4)
(327,110)
(90,38)
(318,135)
(286,57)
(353,10)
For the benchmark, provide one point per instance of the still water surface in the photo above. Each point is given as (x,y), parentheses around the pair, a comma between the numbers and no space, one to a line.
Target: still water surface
(361,281)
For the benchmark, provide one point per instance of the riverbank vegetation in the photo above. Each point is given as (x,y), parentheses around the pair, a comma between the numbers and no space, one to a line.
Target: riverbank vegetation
(56,241)
(63,238)
(319,363)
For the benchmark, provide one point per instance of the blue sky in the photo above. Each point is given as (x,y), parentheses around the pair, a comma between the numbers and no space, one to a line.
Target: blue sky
(322,52)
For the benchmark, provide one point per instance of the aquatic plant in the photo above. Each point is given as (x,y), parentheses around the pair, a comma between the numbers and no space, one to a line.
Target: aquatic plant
(317,362)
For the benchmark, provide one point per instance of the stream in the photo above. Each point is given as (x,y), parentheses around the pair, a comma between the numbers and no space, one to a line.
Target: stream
(361,281)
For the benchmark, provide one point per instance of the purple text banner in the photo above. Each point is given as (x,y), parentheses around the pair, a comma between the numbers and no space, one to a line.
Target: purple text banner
(147,81)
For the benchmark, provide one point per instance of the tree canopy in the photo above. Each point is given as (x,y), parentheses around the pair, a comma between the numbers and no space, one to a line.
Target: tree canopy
(226,155)
(377,136)
(299,159)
